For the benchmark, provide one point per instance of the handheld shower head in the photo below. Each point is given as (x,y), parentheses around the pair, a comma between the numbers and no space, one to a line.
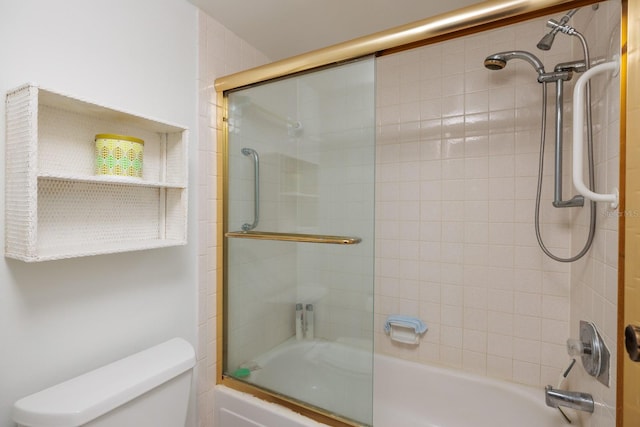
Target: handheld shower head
(499,60)
(494,62)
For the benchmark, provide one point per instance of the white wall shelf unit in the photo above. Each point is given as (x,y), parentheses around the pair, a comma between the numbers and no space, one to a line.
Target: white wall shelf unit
(57,207)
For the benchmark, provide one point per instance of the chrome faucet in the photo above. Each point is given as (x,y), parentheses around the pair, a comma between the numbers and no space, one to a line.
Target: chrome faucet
(569,399)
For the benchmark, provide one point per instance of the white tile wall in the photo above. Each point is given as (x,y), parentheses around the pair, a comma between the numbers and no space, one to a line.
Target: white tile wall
(594,280)
(456,183)
(220,53)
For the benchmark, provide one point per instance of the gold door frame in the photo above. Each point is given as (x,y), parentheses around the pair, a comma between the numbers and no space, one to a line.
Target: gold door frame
(628,396)
(473,19)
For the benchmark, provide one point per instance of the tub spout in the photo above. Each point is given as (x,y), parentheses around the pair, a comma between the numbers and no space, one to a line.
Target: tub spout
(568,399)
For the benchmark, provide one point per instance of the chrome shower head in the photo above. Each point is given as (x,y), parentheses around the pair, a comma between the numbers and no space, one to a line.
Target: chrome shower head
(499,60)
(547,40)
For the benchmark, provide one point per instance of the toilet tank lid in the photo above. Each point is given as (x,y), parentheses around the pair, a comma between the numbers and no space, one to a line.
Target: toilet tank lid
(88,396)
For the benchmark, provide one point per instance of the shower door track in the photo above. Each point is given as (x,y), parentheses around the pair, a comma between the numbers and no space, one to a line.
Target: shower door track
(294,237)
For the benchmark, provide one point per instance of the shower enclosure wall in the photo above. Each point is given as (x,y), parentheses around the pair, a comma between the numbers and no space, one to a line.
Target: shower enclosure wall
(301,159)
(457,167)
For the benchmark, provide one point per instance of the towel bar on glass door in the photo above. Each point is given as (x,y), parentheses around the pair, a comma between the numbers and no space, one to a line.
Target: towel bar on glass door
(294,237)
(578,125)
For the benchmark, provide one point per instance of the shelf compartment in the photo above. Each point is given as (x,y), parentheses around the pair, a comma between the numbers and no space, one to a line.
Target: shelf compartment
(56,207)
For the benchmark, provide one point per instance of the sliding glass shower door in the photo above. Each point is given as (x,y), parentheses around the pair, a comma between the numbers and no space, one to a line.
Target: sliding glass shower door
(299,222)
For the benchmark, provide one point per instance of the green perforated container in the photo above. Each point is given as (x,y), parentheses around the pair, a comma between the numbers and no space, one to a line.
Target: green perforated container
(119,155)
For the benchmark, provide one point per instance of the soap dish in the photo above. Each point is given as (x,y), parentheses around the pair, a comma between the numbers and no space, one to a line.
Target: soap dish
(403,334)
(405,329)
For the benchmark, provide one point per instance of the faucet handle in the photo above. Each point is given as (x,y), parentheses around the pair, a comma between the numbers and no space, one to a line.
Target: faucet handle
(575,347)
(592,350)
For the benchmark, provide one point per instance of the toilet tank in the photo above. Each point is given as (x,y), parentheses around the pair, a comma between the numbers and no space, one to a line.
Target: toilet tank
(147,389)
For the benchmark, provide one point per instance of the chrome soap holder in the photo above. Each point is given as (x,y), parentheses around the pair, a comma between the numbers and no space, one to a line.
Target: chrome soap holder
(592,350)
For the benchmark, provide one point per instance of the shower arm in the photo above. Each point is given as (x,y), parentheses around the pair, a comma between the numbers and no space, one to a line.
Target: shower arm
(578,137)
(256,188)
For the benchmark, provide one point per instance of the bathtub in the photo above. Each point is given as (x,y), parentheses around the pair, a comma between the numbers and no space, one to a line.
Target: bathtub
(429,396)
(406,394)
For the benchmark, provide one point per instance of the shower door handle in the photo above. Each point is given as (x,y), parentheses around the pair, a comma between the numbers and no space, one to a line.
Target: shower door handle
(256,188)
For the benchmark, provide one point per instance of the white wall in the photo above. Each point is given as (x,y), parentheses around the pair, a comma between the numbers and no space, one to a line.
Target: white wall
(59,319)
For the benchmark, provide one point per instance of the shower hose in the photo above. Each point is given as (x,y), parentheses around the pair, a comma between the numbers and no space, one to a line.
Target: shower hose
(592,224)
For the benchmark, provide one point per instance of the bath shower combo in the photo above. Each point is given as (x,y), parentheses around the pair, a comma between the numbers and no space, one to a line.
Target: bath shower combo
(561,73)
(316,185)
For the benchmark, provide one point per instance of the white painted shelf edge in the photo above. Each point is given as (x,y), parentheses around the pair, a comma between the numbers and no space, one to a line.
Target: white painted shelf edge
(105,179)
(65,252)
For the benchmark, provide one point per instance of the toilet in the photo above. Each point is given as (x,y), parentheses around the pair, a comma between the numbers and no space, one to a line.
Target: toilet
(147,389)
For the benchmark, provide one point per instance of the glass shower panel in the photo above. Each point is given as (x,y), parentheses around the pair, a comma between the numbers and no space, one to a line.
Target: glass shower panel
(300,232)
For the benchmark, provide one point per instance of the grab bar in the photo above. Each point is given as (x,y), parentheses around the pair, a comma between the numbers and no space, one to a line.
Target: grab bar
(578,130)
(294,237)
(256,188)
